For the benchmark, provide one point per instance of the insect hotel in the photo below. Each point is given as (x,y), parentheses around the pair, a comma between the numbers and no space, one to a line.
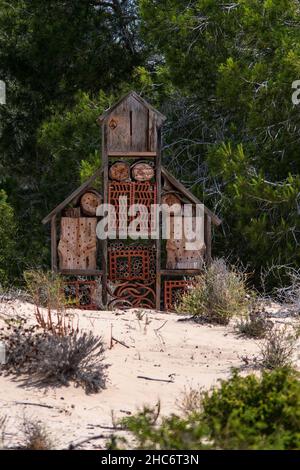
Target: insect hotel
(146,272)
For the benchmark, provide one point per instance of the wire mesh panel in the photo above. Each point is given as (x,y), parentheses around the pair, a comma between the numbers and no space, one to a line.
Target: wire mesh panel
(173,291)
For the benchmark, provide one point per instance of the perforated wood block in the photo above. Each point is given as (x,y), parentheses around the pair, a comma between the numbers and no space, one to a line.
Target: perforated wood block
(77,248)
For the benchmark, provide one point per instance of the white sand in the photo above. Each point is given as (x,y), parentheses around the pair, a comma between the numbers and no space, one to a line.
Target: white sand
(187,353)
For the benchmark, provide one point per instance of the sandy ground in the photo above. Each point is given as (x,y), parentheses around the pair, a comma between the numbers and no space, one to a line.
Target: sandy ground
(181,354)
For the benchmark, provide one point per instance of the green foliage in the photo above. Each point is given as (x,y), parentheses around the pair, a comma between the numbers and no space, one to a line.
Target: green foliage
(243,413)
(51,53)
(8,247)
(173,432)
(255,413)
(217,295)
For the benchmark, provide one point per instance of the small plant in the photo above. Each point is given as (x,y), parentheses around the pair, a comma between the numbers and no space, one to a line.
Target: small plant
(36,436)
(43,358)
(255,325)
(277,349)
(190,400)
(46,290)
(217,295)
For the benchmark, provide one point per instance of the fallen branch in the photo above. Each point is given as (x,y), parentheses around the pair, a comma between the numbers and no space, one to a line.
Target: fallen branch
(33,404)
(120,342)
(161,326)
(155,380)
(93,438)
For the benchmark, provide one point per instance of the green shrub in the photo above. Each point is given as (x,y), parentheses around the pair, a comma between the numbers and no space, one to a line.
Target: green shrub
(7,240)
(243,413)
(255,413)
(217,295)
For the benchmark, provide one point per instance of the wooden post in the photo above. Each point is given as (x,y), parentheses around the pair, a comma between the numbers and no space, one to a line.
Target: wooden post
(104,243)
(158,241)
(207,238)
(53,244)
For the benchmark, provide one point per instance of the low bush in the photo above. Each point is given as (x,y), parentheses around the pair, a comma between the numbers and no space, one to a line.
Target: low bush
(277,349)
(44,358)
(217,295)
(243,413)
(255,325)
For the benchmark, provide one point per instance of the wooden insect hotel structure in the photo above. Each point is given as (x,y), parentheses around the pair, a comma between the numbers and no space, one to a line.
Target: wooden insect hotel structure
(144,272)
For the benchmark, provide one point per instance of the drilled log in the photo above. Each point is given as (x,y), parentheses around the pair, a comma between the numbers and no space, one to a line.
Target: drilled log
(142,171)
(89,202)
(119,171)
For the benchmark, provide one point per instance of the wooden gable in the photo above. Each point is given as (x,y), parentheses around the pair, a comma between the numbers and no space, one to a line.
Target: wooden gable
(132,125)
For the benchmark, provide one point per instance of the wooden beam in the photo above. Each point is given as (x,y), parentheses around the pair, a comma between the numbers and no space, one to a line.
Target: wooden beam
(132,154)
(80,272)
(53,244)
(180,272)
(158,241)
(104,243)
(72,196)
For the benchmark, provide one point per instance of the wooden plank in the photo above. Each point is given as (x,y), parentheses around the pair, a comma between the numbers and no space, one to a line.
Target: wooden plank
(189,195)
(103,244)
(80,272)
(180,272)
(132,154)
(158,241)
(152,133)
(207,238)
(121,155)
(139,128)
(53,244)
(72,196)
(118,128)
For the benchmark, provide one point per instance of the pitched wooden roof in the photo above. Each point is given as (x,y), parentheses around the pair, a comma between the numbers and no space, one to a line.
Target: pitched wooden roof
(174,182)
(72,196)
(161,118)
